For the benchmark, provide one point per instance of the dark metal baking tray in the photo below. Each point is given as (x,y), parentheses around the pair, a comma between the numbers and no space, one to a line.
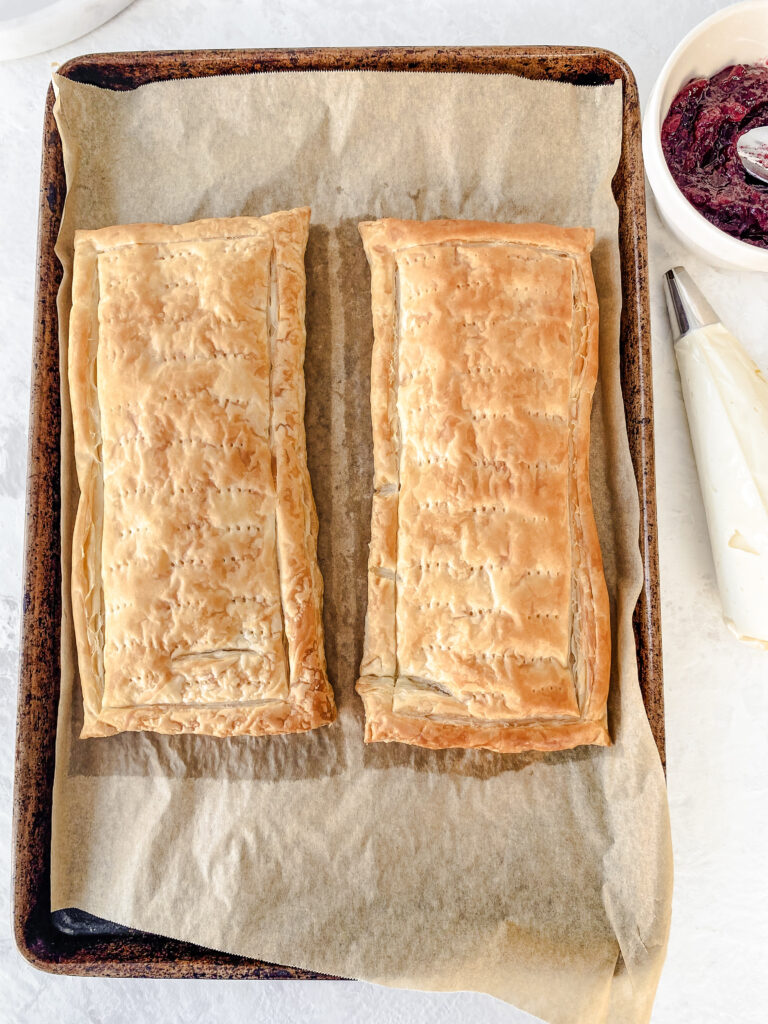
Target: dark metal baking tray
(71,941)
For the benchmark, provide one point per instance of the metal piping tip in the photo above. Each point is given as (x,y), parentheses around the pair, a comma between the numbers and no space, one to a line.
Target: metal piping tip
(688,309)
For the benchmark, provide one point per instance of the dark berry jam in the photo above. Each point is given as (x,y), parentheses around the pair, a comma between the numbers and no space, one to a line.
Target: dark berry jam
(699,137)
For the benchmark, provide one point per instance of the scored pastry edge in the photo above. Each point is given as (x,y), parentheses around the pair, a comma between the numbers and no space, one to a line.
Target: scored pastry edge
(391,234)
(384,725)
(592,563)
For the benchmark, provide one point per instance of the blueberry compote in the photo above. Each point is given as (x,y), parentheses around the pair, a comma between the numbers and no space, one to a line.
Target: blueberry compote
(699,137)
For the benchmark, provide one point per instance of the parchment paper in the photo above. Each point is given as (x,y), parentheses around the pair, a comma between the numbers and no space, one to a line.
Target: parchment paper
(542,879)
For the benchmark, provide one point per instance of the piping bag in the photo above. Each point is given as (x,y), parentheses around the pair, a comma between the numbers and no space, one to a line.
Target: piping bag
(726,400)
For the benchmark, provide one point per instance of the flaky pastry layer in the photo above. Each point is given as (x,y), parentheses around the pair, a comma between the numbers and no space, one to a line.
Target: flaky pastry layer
(488,619)
(197,598)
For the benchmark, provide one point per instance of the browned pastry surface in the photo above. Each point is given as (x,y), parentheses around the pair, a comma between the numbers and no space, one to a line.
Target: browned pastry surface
(488,619)
(196,592)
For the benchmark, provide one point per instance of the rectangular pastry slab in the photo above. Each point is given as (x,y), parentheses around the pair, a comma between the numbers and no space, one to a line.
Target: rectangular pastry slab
(487,618)
(196,591)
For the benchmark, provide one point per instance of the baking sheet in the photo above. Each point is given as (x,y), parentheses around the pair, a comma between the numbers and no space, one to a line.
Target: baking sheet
(314,850)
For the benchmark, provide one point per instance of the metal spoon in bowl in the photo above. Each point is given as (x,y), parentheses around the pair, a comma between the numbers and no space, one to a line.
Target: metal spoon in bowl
(752,149)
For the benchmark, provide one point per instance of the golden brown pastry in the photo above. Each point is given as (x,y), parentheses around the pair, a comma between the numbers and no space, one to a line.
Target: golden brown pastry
(488,620)
(195,588)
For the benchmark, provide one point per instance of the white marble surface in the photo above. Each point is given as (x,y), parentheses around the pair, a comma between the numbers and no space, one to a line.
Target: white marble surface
(716,689)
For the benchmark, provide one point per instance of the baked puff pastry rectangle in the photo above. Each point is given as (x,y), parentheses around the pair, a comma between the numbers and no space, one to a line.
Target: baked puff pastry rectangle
(196,592)
(488,620)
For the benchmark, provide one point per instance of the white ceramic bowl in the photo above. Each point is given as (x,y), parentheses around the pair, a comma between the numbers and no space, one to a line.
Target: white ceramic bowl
(735,35)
